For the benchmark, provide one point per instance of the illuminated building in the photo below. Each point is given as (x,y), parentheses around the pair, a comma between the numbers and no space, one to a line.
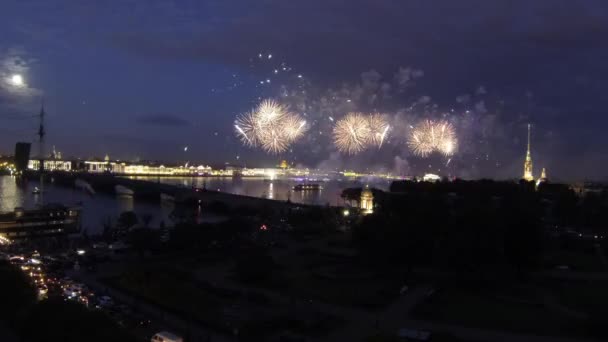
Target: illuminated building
(543,177)
(429,177)
(367,200)
(284,164)
(50,165)
(528,163)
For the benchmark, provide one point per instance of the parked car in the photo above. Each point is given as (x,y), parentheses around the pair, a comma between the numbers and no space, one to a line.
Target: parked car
(105,302)
(165,336)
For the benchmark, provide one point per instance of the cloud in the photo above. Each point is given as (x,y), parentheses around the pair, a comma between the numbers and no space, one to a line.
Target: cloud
(161,119)
(15,61)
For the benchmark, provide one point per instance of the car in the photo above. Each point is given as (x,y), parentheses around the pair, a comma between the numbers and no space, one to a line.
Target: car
(71,292)
(165,336)
(100,245)
(105,301)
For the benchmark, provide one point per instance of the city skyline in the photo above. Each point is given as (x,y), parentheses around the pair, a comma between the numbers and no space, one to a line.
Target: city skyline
(167,81)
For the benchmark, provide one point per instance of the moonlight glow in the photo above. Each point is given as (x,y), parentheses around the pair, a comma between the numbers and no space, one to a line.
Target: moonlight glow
(17,80)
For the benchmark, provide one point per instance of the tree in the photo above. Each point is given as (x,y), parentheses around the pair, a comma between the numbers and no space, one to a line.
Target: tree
(142,239)
(127,220)
(17,294)
(523,236)
(107,225)
(146,219)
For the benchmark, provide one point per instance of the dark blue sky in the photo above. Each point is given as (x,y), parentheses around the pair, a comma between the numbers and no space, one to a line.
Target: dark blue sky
(146,78)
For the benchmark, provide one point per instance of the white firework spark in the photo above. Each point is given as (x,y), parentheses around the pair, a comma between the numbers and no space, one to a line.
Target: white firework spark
(352,133)
(379,128)
(270,126)
(431,136)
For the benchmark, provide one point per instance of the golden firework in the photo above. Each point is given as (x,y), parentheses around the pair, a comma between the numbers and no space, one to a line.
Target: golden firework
(270,126)
(430,136)
(379,128)
(352,133)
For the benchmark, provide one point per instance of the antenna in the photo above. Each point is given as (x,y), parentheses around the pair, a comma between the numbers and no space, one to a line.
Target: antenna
(41,134)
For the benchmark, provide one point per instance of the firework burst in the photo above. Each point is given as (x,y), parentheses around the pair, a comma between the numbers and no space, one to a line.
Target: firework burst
(352,133)
(431,136)
(379,128)
(270,126)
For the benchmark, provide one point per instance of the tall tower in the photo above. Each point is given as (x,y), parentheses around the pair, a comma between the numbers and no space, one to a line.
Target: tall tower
(528,163)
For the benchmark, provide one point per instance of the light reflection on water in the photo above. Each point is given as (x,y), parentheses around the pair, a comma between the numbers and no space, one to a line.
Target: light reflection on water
(98,208)
(277,189)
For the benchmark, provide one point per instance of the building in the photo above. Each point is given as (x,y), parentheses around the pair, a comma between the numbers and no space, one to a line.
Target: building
(50,165)
(49,220)
(542,178)
(543,175)
(429,177)
(367,201)
(528,171)
(22,155)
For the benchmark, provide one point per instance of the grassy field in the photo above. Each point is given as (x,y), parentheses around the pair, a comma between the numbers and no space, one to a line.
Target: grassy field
(219,309)
(584,296)
(172,290)
(367,293)
(312,274)
(576,261)
(441,337)
(515,313)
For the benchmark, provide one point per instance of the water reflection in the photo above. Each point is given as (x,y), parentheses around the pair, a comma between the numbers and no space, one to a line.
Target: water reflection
(98,208)
(10,196)
(277,189)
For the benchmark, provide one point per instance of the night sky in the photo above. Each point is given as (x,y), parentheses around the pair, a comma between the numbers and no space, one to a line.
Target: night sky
(144,79)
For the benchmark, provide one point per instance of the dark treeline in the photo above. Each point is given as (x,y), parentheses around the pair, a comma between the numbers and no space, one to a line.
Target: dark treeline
(471,225)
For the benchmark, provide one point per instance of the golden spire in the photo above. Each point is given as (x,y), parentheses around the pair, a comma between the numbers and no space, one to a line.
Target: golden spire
(528,163)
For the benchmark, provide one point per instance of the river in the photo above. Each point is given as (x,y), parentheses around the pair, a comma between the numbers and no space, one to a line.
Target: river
(278,189)
(101,207)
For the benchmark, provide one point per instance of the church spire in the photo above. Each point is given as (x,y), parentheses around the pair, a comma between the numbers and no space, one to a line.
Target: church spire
(528,139)
(528,163)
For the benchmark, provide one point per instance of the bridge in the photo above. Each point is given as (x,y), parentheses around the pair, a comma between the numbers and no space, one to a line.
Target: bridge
(147,190)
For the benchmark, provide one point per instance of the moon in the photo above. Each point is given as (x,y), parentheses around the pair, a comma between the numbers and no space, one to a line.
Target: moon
(17,80)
